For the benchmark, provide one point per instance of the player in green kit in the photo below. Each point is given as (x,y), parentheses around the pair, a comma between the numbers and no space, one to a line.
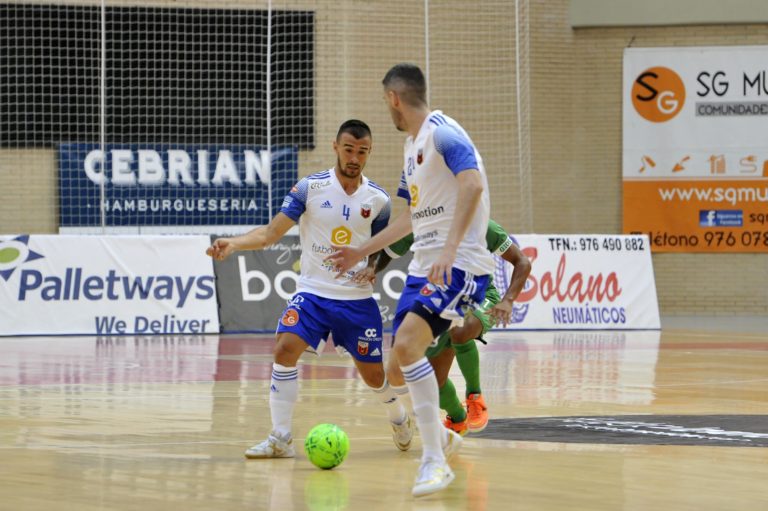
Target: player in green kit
(493,310)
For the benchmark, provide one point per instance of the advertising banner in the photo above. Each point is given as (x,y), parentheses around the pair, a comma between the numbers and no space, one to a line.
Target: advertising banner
(584,282)
(172,185)
(106,285)
(695,154)
(578,282)
(254,287)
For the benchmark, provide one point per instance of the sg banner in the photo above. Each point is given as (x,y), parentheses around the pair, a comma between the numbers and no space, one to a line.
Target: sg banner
(695,155)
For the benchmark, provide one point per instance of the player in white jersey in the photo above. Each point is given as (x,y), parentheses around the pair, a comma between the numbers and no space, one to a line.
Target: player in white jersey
(338,206)
(445,184)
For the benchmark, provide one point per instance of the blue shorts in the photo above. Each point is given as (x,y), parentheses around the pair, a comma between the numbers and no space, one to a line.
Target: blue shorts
(355,324)
(446,303)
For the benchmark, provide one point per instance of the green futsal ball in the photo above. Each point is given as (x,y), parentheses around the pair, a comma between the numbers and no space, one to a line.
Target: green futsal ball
(326,446)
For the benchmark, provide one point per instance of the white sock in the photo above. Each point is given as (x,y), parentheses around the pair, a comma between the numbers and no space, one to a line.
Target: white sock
(388,397)
(422,385)
(283,393)
(404,397)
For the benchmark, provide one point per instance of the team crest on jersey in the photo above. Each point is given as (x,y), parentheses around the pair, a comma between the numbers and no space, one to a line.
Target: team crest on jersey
(427,290)
(365,210)
(290,318)
(362,347)
(420,157)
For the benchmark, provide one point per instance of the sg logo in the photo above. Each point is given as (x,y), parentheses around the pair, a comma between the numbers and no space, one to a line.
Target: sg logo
(658,94)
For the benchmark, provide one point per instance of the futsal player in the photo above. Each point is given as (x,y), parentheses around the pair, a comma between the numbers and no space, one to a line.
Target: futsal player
(444,181)
(336,206)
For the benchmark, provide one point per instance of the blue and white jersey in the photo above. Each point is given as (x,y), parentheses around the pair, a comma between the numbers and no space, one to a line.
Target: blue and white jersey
(327,215)
(441,150)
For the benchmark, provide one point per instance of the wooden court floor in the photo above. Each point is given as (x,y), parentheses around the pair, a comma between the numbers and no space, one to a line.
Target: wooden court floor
(580,421)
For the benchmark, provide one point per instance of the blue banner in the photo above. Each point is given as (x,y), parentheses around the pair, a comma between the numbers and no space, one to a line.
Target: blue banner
(172,185)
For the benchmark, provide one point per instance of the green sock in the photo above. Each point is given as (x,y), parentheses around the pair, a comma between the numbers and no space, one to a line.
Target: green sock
(449,402)
(469,363)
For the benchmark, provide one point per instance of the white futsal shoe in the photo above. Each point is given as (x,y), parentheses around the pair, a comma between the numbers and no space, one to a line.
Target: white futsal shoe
(452,445)
(402,434)
(433,476)
(274,446)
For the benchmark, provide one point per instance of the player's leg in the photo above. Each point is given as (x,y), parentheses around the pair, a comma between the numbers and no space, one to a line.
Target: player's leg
(441,357)
(296,330)
(424,312)
(361,335)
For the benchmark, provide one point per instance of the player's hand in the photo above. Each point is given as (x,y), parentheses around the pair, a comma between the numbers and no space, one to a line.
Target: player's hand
(221,248)
(440,272)
(365,276)
(502,312)
(343,258)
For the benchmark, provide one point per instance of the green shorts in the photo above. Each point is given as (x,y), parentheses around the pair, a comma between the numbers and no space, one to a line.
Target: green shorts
(491,298)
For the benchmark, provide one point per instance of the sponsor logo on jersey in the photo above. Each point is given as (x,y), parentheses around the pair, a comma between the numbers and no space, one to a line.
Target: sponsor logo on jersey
(341,236)
(290,318)
(319,185)
(365,210)
(427,212)
(414,192)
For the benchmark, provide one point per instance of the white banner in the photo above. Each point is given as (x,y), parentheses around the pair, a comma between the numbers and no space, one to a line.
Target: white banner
(106,285)
(585,282)
(695,112)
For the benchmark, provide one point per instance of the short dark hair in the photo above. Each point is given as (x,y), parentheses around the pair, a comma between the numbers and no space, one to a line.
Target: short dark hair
(409,82)
(354,127)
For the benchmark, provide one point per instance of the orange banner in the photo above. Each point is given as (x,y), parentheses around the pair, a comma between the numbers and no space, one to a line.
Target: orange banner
(698,215)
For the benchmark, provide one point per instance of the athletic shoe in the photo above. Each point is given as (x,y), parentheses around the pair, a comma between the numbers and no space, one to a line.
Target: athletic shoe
(477,413)
(274,446)
(402,434)
(433,476)
(459,427)
(453,444)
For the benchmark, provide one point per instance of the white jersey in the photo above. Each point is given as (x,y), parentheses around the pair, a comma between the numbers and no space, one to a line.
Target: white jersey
(327,215)
(441,150)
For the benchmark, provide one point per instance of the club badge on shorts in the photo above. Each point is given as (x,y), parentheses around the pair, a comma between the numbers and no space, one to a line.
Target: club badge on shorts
(362,347)
(428,289)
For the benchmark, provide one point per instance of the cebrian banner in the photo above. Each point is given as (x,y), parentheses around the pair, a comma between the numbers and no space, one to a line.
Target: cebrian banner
(255,286)
(168,188)
(106,285)
(584,282)
(695,155)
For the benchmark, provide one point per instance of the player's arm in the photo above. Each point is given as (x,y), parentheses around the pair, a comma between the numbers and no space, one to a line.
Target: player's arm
(255,239)
(459,156)
(393,251)
(293,207)
(470,193)
(502,311)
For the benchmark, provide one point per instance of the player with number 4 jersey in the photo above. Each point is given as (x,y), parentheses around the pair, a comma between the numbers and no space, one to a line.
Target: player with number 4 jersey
(338,206)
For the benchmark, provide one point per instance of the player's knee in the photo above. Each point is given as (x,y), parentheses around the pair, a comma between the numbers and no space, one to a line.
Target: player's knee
(373,377)
(286,354)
